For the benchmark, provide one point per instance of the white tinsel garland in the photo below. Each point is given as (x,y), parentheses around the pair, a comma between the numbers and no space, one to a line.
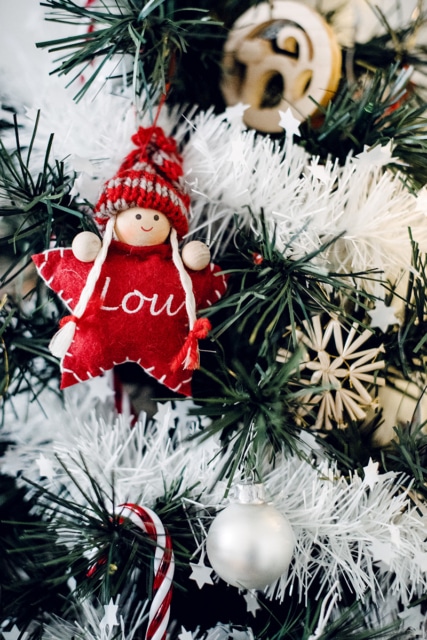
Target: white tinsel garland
(233,172)
(93,622)
(142,459)
(367,532)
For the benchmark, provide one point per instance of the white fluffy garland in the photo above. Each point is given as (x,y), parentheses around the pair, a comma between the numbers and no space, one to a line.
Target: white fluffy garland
(366,532)
(233,171)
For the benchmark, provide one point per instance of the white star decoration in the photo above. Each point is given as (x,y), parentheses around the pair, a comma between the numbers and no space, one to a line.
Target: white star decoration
(319,172)
(377,156)
(343,374)
(201,573)
(185,635)
(413,618)
(383,552)
(289,123)
(100,388)
(382,316)
(234,114)
(166,414)
(371,473)
(46,467)
(110,616)
(14,634)
(252,603)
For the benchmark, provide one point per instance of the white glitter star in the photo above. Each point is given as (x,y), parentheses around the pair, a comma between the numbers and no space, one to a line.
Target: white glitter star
(382,316)
(101,387)
(413,618)
(110,616)
(166,414)
(252,603)
(319,172)
(289,123)
(185,635)
(46,467)
(383,552)
(14,634)
(371,473)
(234,114)
(377,156)
(200,573)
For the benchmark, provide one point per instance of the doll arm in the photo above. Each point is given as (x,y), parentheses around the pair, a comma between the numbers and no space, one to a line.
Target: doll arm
(86,246)
(63,273)
(196,255)
(209,285)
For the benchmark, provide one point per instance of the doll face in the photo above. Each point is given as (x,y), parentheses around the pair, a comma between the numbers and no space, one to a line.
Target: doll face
(142,227)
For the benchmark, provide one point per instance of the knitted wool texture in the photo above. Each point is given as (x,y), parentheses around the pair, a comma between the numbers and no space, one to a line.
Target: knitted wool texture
(149,177)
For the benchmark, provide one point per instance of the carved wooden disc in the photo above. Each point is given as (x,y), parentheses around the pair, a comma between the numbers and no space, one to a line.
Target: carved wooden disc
(277,56)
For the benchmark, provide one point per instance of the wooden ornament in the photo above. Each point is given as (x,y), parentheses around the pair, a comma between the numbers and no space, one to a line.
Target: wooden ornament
(196,255)
(86,246)
(280,55)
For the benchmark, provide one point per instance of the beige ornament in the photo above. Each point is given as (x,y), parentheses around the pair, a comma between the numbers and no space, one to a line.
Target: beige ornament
(280,55)
(403,403)
(86,246)
(196,255)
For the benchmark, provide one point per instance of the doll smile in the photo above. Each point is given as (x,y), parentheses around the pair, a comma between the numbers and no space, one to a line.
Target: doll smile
(147,230)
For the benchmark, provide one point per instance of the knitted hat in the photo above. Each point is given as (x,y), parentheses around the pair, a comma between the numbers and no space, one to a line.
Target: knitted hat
(149,177)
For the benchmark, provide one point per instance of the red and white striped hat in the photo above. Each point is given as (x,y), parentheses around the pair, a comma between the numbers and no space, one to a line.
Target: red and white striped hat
(149,177)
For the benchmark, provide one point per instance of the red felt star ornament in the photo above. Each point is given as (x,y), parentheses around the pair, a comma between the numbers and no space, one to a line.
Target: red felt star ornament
(136,312)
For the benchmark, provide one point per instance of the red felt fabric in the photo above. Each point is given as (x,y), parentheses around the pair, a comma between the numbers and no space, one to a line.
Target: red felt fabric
(136,313)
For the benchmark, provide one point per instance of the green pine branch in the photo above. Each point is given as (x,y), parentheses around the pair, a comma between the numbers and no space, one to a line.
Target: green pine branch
(379,107)
(351,624)
(401,44)
(86,539)
(406,346)
(37,212)
(407,453)
(155,34)
(270,291)
(37,208)
(24,340)
(254,414)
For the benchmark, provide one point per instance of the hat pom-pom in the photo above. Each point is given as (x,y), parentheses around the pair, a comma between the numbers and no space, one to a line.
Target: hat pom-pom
(159,150)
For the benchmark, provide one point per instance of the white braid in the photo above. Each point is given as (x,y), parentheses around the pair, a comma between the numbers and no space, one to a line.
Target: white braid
(187,285)
(63,338)
(94,273)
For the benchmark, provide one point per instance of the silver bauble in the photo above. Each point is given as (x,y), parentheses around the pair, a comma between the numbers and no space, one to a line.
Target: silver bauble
(250,544)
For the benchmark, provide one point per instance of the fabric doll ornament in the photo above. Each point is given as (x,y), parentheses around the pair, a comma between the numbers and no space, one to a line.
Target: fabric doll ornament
(132,297)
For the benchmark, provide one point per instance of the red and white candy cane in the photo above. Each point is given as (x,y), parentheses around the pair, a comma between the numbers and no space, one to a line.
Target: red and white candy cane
(164,567)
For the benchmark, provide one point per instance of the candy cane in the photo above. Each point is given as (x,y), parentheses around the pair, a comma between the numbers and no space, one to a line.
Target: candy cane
(164,567)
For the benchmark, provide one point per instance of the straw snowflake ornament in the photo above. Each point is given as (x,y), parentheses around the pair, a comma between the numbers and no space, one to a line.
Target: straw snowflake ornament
(333,359)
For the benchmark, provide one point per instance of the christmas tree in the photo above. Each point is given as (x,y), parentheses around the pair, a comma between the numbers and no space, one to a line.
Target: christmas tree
(226,438)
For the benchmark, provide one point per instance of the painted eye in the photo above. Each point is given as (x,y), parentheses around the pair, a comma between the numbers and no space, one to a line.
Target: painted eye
(138,216)
(156,217)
